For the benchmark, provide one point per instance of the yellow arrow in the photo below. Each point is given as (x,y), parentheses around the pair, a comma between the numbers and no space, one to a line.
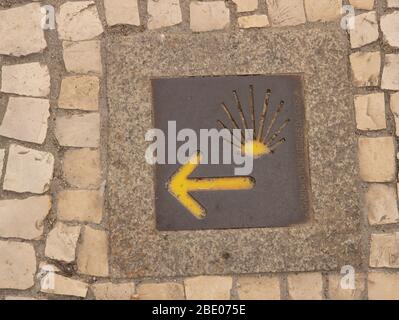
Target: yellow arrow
(180,185)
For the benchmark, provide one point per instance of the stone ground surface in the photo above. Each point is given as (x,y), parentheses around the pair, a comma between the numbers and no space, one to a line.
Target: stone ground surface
(65,201)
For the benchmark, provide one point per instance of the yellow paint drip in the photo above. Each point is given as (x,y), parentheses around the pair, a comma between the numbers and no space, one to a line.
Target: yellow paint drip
(180,185)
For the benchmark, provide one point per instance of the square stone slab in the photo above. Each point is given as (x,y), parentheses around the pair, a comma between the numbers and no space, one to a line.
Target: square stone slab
(328,240)
(279,196)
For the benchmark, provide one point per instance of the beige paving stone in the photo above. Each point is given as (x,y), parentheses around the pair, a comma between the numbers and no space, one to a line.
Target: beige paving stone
(377,159)
(362,4)
(20,30)
(82,56)
(390,75)
(160,291)
(390,28)
(79,92)
(323,10)
(122,12)
(15,298)
(337,292)
(163,13)
(78,20)
(384,250)
(393,3)
(370,111)
(254,21)
(80,205)
(82,130)
(394,105)
(209,16)
(258,288)
(305,286)
(61,242)
(383,285)
(208,288)
(366,68)
(246,5)
(26,79)
(17,265)
(286,12)
(26,119)
(23,218)
(93,253)
(28,170)
(53,283)
(382,204)
(113,291)
(365,30)
(2,156)
(82,168)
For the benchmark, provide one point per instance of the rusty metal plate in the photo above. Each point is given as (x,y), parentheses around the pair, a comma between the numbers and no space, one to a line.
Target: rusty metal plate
(280,194)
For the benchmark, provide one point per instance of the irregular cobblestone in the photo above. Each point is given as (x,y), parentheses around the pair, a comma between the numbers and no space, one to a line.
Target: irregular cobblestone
(61,242)
(27,79)
(20,30)
(24,218)
(28,170)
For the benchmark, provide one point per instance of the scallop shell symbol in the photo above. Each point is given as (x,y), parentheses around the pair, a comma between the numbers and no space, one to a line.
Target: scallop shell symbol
(264,140)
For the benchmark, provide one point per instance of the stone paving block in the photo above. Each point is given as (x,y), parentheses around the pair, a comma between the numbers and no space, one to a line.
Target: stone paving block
(160,291)
(365,30)
(209,16)
(80,205)
(258,288)
(390,28)
(383,285)
(20,30)
(370,111)
(286,12)
(17,265)
(28,170)
(82,56)
(61,242)
(93,253)
(26,119)
(377,159)
(163,13)
(113,291)
(15,298)
(305,286)
(362,4)
(79,92)
(23,218)
(82,130)
(337,292)
(384,250)
(78,20)
(246,5)
(27,79)
(2,156)
(208,288)
(394,105)
(53,283)
(122,12)
(390,75)
(381,204)
(82,168)
(254,21)
(366,68)
(323,10)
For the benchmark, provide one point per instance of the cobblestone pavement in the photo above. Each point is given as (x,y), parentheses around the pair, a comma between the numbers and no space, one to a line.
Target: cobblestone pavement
(53,104)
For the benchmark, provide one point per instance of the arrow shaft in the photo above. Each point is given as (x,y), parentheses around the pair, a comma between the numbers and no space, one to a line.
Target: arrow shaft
(220,184)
